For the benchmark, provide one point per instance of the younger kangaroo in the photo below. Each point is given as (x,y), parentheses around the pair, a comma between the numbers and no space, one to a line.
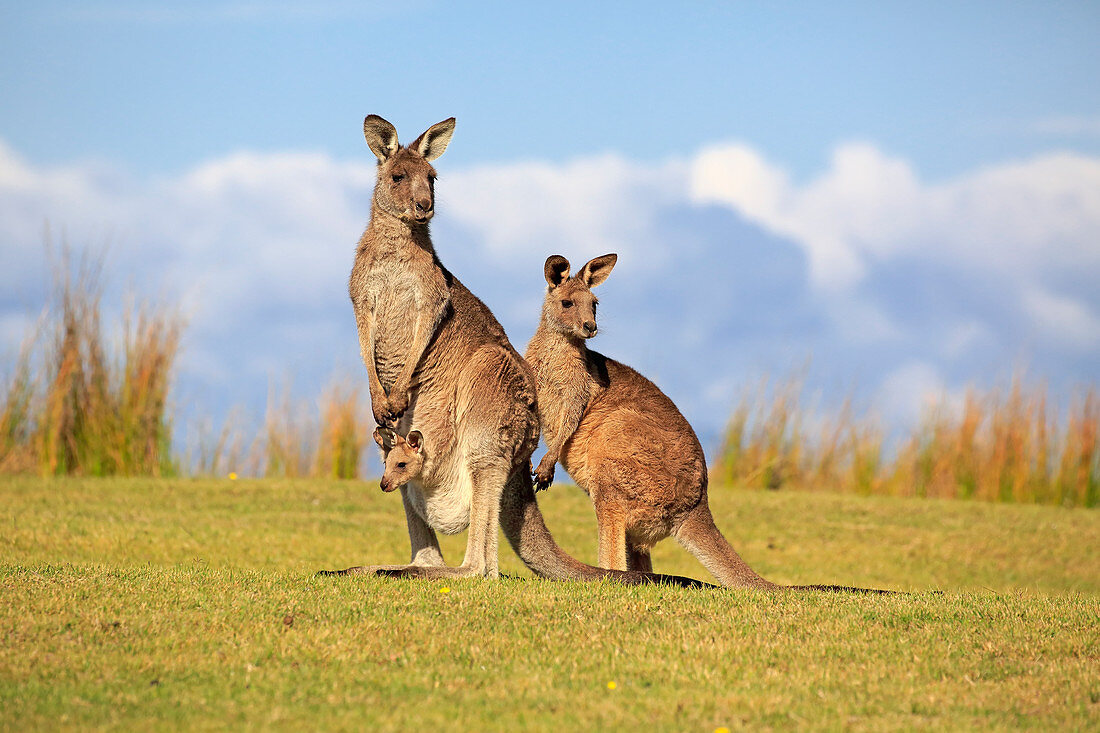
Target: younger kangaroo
(404,457)
(622,440)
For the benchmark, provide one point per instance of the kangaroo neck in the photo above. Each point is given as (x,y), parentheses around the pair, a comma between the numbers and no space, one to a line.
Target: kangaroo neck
(553,345)
(388,231)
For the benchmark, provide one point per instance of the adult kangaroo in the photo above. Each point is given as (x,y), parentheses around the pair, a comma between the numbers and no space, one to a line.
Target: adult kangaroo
(438,362)
(623,440)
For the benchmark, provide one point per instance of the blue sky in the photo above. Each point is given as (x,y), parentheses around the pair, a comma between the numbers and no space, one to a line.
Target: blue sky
(908,195)
(160,86)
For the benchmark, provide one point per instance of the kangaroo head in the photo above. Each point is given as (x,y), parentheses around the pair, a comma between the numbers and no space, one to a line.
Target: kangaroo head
(570,306)
(404,459)
(406,179)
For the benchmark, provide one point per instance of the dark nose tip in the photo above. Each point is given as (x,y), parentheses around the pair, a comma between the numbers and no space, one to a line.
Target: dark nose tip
(590,326)
(384,485)
(423,206)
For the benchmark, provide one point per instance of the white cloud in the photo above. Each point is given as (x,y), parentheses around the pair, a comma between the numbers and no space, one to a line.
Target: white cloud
(837,218)
(591,205)
(964,335)
(1017,219)
(1021,236)
(1066,319)
(247,243)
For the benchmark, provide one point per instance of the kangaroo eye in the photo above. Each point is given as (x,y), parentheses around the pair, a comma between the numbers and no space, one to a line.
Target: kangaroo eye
(401,464)
(567,304)
(397,178)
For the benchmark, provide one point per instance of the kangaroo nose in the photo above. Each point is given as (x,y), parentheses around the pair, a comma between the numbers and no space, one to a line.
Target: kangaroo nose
(590,326)
(423,206)
(384,484)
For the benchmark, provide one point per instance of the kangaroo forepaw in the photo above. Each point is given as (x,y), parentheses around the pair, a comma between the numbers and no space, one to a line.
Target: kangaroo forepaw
(396,405)
(543,476)
(384,418)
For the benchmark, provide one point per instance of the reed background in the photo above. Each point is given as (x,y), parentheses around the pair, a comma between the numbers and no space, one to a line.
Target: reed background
(93,399)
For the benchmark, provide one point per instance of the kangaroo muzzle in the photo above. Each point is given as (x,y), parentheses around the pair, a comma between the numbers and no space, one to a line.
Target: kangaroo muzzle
(422,209)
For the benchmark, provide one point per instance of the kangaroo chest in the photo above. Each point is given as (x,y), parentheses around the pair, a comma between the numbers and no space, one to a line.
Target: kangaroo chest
(395,319)
(399,291)
(565,388)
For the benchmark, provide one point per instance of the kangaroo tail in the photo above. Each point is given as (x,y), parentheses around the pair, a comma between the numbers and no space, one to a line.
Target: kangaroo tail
(699,536)
(526,531)
(841,589)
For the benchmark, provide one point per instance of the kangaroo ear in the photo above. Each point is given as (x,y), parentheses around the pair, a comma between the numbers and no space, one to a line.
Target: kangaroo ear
(415,440)
(556,270)
(434,141)
(381,137)
(379,439)
(596,270)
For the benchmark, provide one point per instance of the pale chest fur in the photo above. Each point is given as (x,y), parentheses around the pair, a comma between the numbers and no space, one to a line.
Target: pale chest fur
(444,505)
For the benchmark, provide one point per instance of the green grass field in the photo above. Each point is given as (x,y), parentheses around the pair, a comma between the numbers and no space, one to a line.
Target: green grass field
(145,603)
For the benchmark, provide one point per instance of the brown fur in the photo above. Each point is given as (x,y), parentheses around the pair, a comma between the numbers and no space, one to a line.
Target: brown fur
(438,361)
(622,440)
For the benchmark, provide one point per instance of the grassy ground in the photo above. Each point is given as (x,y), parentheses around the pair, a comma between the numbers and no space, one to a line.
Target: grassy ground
(145,603)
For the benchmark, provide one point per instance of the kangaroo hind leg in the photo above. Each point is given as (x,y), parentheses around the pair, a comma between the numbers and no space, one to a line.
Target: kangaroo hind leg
(637,558)
(611,528)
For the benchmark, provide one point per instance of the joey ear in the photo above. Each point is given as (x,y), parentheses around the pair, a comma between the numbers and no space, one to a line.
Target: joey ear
(415,440)
(378,438)
(556,270)
(381,137)
(434,141)
(596,270)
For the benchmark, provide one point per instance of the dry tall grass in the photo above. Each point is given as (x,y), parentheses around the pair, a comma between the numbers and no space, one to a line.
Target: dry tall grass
(219,453)
(293,440)
(297,443)
(345,425)
(1002,445)
(70,408)
(78,403)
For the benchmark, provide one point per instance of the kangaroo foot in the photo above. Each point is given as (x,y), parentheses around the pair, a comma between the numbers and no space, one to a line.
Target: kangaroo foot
(360,570)
(431,573)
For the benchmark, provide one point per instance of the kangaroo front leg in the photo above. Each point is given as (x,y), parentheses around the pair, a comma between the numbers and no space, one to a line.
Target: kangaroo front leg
(557,432)
(427,320)
(378,400)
